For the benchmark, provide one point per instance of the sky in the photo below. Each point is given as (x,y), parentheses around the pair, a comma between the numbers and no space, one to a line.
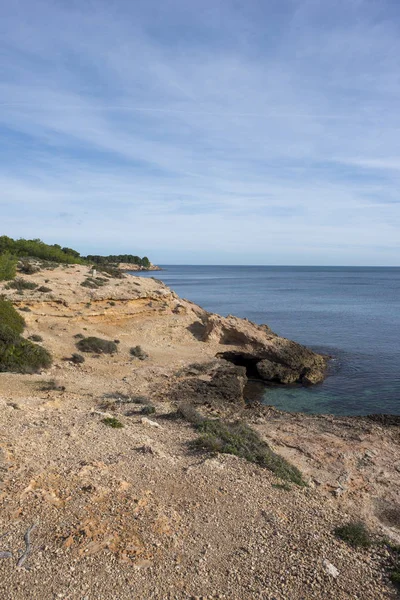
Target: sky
(203,131)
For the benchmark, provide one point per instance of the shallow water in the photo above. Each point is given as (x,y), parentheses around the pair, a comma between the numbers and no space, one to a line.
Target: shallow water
(352,313)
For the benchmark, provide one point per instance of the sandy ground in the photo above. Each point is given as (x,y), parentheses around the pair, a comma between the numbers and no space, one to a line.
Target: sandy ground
(134,512)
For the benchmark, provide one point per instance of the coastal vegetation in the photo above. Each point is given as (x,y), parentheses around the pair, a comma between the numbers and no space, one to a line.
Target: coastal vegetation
(354,533)
(13,250)
(8,266)
(18,354)
(38,249)
(237,438)
(97,345)
(119,258)
(112,422)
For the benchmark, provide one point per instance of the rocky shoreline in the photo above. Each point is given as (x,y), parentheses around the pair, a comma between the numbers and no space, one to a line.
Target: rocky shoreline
(135,510)
(131,267)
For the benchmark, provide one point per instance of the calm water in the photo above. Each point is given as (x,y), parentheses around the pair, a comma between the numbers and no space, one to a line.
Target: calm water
(351,313)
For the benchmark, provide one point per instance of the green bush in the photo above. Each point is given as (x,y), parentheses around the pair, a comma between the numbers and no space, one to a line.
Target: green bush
(138,352)
(239,439)
(112,422)
(22,356)
(44,289)
(21,284)
(10,317)
(77,359)
(96,345)
(8,267)
(149,409)
(354,533)
(35,338)
(18,355)
(38,249)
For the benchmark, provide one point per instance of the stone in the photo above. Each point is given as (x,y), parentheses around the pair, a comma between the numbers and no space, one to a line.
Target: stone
(330,569)
(150,423)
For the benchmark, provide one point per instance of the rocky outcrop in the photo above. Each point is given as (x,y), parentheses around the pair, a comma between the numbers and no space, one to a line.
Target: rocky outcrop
(270,357)
(225,385)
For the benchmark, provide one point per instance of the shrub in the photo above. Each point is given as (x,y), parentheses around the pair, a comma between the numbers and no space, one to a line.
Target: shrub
(89,283)
(28,267)
(38,249)
(17,354)
(189,413)
(79,336)
(77,359)
(10,317)
(112,422)
(51,386)
(97,345)
(21,284)
(149,409)
(8,267)
(239,439)
(35,338)
(25,309)
(138,352)
(22,356)
(354,533)
(112,271)
(44,289)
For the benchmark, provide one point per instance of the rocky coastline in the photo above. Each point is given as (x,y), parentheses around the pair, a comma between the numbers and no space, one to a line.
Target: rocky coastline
(132,267)
(137,501)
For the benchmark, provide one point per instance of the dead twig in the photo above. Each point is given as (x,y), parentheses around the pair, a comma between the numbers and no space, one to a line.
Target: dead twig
(27,538)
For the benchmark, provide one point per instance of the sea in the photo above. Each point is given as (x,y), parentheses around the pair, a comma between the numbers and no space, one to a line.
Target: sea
(350,313)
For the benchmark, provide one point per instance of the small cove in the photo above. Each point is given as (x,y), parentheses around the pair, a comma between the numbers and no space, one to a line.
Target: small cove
(350,313)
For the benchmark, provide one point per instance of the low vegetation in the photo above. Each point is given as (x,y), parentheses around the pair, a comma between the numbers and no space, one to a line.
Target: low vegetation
(38,249)
(35,338)
(96,345)
(8,266)
(394,563)
(149,409)
(239,439)
(10,318)
(94,282)
(355,534)
(51,386)
(21,284)
(115,259)
(77,359)
(112,422)
(18,355)
(138,352)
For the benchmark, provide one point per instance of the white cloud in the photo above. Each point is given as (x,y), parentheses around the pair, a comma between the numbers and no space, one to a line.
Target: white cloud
(186,136)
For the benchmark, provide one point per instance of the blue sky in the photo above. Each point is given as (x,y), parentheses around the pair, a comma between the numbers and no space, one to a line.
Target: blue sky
(203,131)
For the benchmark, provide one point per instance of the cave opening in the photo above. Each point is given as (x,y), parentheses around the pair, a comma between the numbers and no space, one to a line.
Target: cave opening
(243,360)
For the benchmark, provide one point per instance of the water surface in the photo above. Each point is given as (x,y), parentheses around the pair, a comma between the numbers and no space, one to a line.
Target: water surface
(352,313)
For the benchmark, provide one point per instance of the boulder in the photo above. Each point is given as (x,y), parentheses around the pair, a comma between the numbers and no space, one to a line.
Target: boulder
(270,371)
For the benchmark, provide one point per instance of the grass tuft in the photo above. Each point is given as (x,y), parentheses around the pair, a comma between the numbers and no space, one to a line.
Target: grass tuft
(240,440)
(35,338)
(112,422)
(355,534)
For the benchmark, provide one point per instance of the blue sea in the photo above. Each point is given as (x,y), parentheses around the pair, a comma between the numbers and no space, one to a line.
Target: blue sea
(351,313)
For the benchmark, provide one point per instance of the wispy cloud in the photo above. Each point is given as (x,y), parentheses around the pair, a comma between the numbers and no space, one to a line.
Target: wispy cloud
(266,132)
